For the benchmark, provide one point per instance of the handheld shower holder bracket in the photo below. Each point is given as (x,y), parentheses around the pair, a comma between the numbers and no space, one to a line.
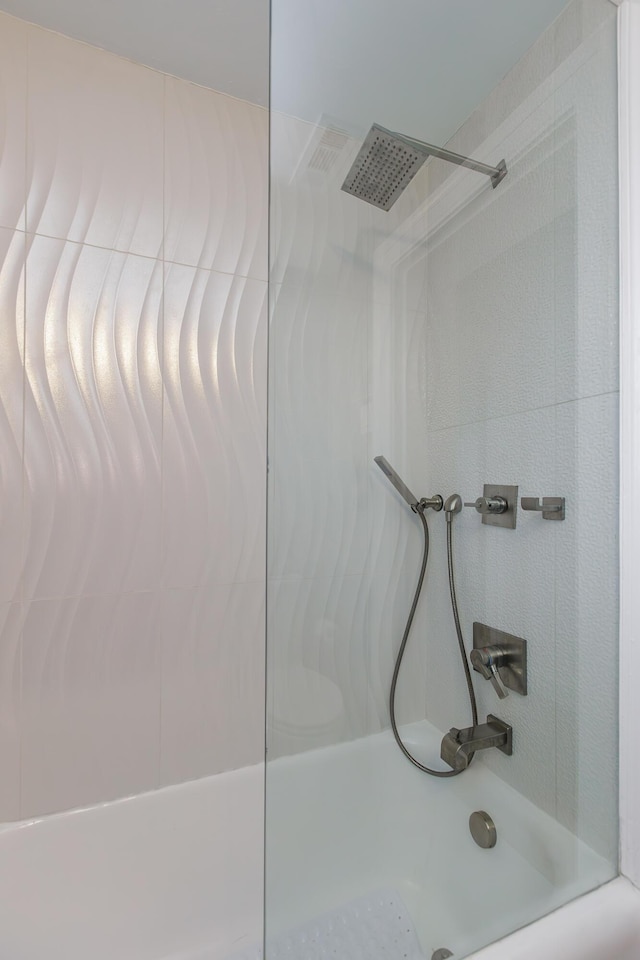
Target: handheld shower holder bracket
(435,503)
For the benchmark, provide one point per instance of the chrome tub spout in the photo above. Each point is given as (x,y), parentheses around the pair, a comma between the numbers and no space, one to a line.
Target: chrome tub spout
(459,746)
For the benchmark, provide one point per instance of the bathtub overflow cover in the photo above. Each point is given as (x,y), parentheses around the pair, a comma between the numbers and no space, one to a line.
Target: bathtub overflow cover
(483,829)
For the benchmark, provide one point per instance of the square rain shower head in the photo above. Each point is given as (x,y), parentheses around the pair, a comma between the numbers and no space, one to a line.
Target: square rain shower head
(388,162)
(384,167)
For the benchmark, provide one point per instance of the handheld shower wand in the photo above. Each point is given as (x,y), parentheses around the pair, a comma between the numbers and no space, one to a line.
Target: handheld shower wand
(452,506)
(435,503)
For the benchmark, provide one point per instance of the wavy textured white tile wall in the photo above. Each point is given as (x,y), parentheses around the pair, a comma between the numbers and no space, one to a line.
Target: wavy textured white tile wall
(212,679)
(214,428)
(322,240)
(13,91)
(216,181)
(142,467)
(90,701)
(317,653)
(94,146)
(337,541)
(11,622)
(395,547)
(318,435)
(339,544)
(93,420)
(12,290)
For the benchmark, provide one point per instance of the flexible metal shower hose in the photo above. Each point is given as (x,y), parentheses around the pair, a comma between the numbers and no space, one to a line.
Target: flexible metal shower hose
(456,617)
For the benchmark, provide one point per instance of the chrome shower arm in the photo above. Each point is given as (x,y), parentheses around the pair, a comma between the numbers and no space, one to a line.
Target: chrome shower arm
(497,174)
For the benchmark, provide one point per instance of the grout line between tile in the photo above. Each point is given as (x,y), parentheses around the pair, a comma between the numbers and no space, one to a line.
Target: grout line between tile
(155,590)
(520,413)
(23,503)
(161,338)
(143,256)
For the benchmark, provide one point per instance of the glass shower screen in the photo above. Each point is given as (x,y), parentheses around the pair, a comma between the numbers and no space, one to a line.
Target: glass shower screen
(466,331)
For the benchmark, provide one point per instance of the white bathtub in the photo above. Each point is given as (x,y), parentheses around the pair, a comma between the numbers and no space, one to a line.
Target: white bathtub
(177,874)
(173,874)
(348,820)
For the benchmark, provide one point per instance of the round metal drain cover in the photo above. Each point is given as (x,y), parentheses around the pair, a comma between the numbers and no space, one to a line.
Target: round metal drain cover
(441,954)
(483,829)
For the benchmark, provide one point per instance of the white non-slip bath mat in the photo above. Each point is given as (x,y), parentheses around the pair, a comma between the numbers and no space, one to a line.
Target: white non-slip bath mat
(376,927)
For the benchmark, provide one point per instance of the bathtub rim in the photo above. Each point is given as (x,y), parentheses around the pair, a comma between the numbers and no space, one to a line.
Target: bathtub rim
(578,926)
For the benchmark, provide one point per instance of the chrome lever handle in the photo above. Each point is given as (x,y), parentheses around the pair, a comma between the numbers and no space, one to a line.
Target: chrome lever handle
(486,660)
(494,680)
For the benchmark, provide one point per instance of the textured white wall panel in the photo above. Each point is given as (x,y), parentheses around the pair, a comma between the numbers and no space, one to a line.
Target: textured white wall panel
(317,662)
(491,299)
(13,92)
(90,700)
(322,240)
(587,357)
(132,426)
(216,181)
(93,421)
(212,679)
(586,574)
(319,397)
(214,428)
(12,291)
(342,549)
(94,146)
(11,622)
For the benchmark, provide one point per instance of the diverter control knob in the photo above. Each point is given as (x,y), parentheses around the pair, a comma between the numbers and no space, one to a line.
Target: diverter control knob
(489,505)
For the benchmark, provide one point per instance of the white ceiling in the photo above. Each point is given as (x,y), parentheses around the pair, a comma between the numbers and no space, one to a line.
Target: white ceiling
(222,44)
(418,66)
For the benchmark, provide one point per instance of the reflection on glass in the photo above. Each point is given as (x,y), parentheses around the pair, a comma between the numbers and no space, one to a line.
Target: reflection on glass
(469,335)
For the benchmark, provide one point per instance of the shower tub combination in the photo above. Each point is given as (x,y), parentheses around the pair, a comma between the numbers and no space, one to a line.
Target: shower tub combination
(177,874)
